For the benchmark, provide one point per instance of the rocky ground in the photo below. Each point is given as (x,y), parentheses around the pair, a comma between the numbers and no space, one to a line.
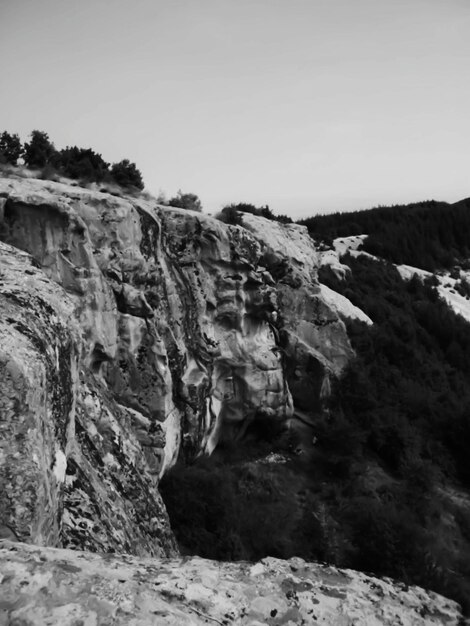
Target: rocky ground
(44,586)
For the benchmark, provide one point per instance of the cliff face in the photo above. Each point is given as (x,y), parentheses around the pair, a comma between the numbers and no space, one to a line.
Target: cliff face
(131,333)
(135,332)
(72,470)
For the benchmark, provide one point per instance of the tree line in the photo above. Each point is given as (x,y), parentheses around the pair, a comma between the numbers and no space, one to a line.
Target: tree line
(73,162)
(430,235)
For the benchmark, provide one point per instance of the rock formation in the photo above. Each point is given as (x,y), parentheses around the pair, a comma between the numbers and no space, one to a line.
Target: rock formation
(130,334)
(43,586)
(146,332)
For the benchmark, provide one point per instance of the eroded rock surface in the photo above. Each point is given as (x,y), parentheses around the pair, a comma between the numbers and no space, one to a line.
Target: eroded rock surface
(72,471)
(195,326)
(175,331)
(48,586)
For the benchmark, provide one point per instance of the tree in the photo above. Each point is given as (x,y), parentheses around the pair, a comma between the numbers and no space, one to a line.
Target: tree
(262,211)
(10,148)
(244,207)
(81,163)
(126,174)
(39,151)
(186,201)
(230,215)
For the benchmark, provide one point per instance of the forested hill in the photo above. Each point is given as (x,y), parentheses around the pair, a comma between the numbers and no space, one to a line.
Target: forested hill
(430,235)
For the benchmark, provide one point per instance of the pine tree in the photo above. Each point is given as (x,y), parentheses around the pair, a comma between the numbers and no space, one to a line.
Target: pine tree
(10,148)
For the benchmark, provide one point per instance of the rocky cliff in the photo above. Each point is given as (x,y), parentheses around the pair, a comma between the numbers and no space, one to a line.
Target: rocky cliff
(130,334)
(134,333)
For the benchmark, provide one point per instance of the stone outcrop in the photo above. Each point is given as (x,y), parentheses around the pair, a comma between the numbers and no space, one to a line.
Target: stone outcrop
(48,586)
(72,470)
(131,333)
(156,332)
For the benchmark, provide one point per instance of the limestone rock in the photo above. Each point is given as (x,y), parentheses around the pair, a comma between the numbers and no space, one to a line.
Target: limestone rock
(344,307)
(72,471)
(38,373)
(45,586)
(170,330)
(196,327)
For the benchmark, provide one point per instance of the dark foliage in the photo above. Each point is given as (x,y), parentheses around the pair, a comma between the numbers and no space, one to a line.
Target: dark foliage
(81,163)
(127,175)
(39,151)
(189,201)
(230,215)
(236,512)
(73,162)
(10,148)
(231,210)
(408,387)
(429,235)
(407,399)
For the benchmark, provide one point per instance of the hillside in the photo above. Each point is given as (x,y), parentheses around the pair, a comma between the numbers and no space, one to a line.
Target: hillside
(429,235)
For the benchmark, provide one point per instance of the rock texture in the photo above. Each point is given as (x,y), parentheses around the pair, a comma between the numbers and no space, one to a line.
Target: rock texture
(135,333)
(72,471)
(131,333)
(43,586)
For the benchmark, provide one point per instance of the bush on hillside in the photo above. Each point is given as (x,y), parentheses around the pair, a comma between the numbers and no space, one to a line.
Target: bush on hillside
(127,175)
(73,162)
(230,212)
(230,215)
(81,163)
(39,151)
(10,148)
(189,201)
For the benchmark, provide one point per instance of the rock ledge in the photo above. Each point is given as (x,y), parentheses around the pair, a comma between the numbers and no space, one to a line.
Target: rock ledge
(50,586)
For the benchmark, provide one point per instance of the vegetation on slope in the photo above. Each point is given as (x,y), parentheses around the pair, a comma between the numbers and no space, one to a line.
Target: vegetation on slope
(429,235)
(231,213)
(73,162)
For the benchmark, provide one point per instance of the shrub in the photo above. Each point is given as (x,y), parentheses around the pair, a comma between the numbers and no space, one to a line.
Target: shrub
(10,148)
(188,201)
(230,215)
(49,172)
(245,207)
(82,163)
(126,174)
(39,151)
(74,162)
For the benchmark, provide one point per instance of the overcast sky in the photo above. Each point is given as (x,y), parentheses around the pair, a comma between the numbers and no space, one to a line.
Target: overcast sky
(306,105)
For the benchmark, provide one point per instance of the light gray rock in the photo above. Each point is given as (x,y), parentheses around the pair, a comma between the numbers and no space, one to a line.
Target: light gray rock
(164,332)
(72,471)
(198,328)
(45,586)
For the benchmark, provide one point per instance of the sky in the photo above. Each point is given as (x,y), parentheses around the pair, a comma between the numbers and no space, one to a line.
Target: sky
(309,106)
